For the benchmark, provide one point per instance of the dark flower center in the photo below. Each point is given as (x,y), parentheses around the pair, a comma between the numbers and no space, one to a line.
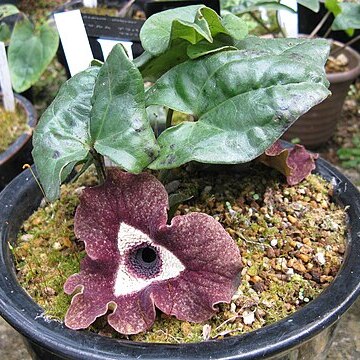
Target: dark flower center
(144,261)
(148,255)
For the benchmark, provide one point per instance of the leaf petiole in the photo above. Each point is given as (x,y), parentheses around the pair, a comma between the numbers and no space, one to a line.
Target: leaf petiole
(99,165)
(87,164)
(260,22)
(169,118)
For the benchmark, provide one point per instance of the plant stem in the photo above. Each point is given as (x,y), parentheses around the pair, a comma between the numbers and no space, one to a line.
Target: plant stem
(99,165)
(328,31)
(169,118)
(281,31)
(352,41)
(260,22)
(27,166)
(125,9)
(319,25)
(142,59)
(82,170)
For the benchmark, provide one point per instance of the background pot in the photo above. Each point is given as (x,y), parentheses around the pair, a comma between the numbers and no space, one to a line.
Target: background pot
(19,152)
(308,20)
(14,2)
(319,124)
(303,335)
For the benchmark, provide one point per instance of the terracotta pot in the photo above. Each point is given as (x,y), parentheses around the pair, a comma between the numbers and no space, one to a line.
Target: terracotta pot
(19,152)
(318,125)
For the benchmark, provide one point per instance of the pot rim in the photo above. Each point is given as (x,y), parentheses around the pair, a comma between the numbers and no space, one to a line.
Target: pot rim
(26,316)
(352,73)
(21,141)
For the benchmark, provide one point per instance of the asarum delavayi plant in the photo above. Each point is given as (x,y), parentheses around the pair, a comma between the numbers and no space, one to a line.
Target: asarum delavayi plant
(241,93)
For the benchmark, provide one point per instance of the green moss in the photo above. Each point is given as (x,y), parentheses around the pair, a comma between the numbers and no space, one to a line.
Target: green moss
(39,11)
(12,125)
(170,330)
(48,252)
(100,10)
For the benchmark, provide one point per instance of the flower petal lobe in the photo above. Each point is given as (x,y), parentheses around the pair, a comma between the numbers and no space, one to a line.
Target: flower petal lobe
(296,163)
(213,267)
(139,200)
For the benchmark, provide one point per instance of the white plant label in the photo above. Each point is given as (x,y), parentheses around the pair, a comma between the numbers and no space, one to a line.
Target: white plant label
(5,81)
(90,3)
(288,20)
(74,40)
(107,45)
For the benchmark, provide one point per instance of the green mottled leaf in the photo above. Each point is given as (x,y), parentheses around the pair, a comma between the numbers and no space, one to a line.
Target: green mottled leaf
(317,49)
(7,10)
(61,138)
(156,33)
(119,126)
(349,18)
(235,27)
(30,52)
(313,5)
(173,36)
(204,48)
(152,67)
(191,23)
(244,100)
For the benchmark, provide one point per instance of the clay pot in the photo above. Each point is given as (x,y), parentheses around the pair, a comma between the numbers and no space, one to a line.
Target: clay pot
(319,124)
(19,152)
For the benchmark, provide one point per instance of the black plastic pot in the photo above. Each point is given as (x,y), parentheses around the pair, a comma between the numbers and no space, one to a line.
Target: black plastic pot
(19,152)
(304,335)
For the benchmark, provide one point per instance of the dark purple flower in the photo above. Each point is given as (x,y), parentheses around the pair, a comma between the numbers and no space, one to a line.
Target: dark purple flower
(296,163)
(135,261)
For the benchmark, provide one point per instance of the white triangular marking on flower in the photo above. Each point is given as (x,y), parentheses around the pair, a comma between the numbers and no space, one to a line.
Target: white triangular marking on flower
(126,283)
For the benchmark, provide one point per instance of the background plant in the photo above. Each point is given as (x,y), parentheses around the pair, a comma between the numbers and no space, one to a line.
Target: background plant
(31,48)
(350,156)
(349,152)
(346,14)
